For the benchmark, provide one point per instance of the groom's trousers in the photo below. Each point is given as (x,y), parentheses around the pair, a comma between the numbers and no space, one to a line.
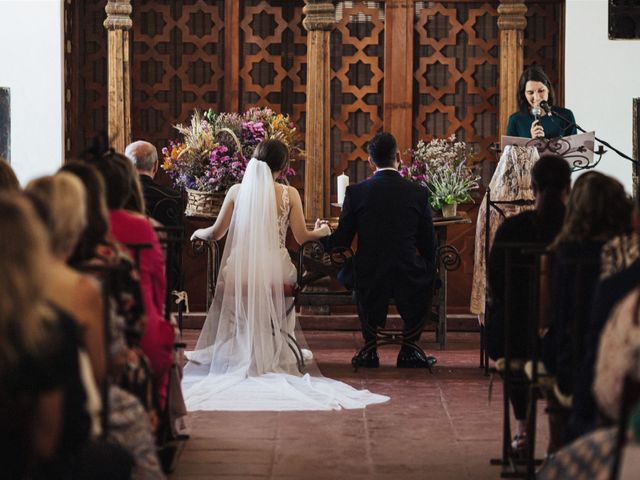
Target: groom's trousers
(373,306)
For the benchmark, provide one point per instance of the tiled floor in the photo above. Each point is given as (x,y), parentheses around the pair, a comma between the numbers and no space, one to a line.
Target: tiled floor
(436,426)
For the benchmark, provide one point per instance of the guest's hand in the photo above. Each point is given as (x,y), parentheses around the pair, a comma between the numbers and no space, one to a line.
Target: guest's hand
(536,130)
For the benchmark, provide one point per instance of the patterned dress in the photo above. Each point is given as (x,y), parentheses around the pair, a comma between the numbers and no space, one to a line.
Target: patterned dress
(510,181)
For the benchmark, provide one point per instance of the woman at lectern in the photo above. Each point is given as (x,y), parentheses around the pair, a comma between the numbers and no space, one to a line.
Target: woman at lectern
(538,116)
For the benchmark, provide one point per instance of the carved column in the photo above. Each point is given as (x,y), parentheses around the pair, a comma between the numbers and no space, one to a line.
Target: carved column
(118,24)
(398,86)
(511,23)
(319,20)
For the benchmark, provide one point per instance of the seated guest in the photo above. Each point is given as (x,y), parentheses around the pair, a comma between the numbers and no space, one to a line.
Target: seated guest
(551,182)
(8,179)
(162,203)
(63,198)
(623,276)
(591,455)
(32,361)
(130,426)
(132,228)
(598,209)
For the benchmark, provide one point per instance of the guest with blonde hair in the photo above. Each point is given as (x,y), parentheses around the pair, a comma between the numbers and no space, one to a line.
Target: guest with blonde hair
(62,202)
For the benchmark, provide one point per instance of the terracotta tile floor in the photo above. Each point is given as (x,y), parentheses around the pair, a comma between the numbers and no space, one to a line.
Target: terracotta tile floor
(436,426)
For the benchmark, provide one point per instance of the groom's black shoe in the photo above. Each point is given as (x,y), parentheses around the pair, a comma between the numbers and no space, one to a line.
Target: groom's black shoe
(410,358)
(367,359)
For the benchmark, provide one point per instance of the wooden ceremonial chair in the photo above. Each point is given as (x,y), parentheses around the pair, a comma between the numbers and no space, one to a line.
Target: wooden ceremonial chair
(511,369)
(214,255)
(496,205)
(314,263)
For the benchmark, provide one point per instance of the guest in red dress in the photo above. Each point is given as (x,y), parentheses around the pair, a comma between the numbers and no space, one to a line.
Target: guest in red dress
(131,228)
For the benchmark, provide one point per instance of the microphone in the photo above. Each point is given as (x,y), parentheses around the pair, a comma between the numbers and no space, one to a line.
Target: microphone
(544,105)
(537,112)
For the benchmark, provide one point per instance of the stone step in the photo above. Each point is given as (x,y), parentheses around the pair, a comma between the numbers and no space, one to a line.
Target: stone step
(455,323)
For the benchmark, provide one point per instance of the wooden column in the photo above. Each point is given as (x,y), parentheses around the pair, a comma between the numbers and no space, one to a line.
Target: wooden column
(398,65)
(231,100)
(118,24)
(319,20)
(511,23)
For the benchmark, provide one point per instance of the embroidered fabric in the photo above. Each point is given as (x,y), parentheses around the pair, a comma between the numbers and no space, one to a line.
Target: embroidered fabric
(510,181)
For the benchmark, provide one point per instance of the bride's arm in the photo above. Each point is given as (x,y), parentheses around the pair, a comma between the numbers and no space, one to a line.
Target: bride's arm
(221,225)
(298,224)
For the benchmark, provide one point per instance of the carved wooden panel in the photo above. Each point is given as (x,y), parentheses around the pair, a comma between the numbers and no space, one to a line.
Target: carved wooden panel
(177,53)
(273,60)
(456,74)
(357,62)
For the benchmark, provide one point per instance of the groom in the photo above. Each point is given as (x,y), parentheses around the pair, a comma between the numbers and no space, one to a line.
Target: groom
(395,256)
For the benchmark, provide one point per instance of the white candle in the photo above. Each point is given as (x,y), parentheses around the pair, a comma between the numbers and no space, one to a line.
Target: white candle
(343,182)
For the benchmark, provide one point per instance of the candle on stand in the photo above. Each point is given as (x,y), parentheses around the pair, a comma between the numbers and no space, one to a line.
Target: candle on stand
(343,182)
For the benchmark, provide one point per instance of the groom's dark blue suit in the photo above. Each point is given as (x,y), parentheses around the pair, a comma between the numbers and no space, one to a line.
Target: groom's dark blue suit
(395,256)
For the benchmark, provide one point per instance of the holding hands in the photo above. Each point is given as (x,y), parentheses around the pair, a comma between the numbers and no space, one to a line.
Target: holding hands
(322,226)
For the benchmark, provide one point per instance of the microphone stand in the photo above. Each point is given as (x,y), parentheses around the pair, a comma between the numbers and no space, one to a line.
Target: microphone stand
(571,124)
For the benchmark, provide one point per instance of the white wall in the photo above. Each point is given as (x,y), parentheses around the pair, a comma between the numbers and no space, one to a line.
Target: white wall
(31,65)
(602,77)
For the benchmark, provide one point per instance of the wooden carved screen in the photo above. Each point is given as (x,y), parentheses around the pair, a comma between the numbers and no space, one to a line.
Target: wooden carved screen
(273,60)
(357,61)
(180,49)
(176,66)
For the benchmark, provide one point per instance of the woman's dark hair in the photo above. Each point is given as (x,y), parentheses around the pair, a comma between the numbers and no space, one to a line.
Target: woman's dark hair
(274,153)
(550,178)
(533,74)
(598,209)
(97,214)
(115,173)
(8,179)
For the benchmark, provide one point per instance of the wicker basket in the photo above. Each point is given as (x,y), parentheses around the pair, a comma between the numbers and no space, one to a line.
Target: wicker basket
(203,204)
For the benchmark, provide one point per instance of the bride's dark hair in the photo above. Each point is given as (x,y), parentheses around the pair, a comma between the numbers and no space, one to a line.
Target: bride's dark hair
(274,153)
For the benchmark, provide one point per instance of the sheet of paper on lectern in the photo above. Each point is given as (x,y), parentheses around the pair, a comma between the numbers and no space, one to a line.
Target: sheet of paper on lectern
(582,144)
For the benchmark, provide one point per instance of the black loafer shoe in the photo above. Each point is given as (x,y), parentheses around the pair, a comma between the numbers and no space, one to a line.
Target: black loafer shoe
(414,359)
(368,359)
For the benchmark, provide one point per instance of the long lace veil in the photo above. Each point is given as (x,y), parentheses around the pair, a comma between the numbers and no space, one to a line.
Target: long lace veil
(245,333)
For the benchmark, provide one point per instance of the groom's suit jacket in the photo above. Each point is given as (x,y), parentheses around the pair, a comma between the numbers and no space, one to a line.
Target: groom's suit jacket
(396,241)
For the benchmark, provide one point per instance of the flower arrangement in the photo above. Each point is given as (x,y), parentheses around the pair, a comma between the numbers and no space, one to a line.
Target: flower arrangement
(441,166)
(215,147)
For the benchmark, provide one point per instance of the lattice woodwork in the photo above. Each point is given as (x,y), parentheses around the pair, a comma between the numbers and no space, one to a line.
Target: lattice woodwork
(273,60)
(357,62)
(456,74)
(177,56)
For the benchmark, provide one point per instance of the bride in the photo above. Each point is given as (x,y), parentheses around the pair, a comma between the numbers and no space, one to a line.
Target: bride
(245,358)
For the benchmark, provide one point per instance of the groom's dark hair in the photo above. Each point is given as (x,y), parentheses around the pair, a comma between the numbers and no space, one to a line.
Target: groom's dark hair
(382,149)
(273,152)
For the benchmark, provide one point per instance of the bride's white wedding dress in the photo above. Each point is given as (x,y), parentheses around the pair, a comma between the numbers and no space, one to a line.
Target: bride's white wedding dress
(242,359)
